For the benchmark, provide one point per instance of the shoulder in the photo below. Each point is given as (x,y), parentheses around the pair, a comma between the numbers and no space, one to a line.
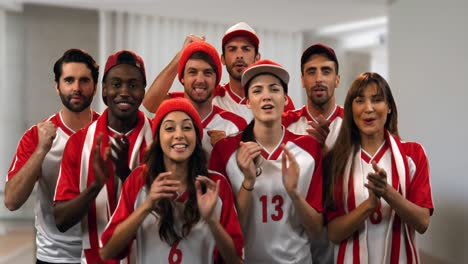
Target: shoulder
(220,90)
(236,119)
(306,142)
(414,150)
(292,116)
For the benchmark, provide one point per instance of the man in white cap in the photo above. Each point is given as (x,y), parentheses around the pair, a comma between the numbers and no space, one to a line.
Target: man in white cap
(239,50)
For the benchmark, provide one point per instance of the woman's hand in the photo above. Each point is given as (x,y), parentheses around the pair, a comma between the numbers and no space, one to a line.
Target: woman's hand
(246,155)
(290,171)
(378,181)
(163,187)
(206,201)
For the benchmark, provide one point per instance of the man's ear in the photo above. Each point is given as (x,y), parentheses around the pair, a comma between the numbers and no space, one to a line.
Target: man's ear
(337,80)
(57,89)
(222,59)
(258,56)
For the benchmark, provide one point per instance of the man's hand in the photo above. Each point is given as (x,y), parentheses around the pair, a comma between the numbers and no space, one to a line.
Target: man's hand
(47,132)
(319,130)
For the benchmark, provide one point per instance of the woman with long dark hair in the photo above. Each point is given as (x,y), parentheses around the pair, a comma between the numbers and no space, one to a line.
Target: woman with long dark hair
(175,214)
(279,202)
(379,191)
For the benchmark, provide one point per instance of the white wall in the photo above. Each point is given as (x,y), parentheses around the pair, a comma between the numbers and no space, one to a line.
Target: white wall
(35,38)
(428,64)
(49,31)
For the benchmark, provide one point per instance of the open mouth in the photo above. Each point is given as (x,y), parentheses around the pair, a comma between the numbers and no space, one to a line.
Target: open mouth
(268,107)
(179,147)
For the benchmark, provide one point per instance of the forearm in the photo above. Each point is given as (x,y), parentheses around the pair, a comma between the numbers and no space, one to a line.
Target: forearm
(19,188)
(244,200)
(224,242)
(69,213)
(415,216)
(311,219)
(125,231)
(161,85)
(344,226)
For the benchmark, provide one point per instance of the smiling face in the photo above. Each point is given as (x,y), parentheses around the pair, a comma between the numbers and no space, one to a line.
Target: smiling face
(177,136)
(266,98)
(76,87)
(199,80)
(123,91)
(370,111)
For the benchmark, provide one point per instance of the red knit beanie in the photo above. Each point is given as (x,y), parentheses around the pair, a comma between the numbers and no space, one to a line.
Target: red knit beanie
(177,104)
(204,47)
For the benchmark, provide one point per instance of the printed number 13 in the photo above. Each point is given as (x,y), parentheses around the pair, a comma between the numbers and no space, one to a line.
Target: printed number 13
(278,201)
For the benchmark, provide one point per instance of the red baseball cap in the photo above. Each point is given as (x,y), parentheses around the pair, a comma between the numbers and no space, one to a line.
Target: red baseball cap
(125,57)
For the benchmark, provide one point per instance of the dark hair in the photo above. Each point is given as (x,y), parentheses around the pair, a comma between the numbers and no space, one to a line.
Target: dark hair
(319,51)
(79,56)
(200,55)
(154,160)
(247,84)
(253,44)
(349,136)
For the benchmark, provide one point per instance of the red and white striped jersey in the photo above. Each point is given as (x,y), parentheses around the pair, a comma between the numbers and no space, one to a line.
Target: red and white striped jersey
(52,245)
(273,232)
(197,247)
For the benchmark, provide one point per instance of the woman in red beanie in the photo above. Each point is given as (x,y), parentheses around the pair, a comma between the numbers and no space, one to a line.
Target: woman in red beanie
(175,214)
(279,204)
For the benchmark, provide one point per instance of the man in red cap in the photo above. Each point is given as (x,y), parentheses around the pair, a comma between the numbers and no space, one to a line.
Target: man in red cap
(116,141)
(199,71)
(321,117)
(40,151)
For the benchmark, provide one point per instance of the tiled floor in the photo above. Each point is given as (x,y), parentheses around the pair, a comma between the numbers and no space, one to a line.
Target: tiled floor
(17,241)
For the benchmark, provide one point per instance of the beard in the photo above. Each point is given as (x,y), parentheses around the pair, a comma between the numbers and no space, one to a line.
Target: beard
(76,108)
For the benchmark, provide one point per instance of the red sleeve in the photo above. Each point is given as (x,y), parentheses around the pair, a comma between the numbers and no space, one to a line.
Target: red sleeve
(314,194)
(216,162)
(25,149)
(229,219)
(290,105)
(125,207)
(237,120)
(68,182)
(419,191)
(338,202)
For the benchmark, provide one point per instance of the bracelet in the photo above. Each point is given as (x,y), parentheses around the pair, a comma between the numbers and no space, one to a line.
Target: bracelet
(247,189)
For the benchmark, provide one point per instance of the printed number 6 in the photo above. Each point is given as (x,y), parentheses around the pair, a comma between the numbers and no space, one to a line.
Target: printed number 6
(175,255)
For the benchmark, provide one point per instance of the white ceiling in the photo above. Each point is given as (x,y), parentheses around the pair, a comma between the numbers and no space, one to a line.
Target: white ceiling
(286,15)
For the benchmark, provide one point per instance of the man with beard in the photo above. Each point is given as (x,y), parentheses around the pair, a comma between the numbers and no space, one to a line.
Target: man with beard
(321,117)
(118,139)
(40,151)
(240,49)
(217,122)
